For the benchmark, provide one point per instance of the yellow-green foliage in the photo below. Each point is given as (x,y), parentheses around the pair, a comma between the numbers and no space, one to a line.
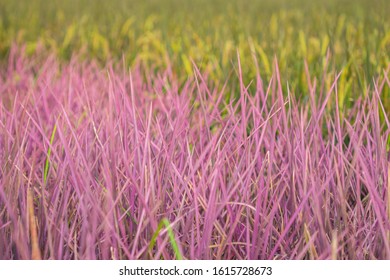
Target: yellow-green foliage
(175,32)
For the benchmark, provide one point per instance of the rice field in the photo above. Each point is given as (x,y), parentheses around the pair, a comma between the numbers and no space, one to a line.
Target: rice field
(194,129)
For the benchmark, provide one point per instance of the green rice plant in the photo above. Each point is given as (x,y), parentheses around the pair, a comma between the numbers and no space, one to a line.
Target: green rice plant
(165,223)
(47,163)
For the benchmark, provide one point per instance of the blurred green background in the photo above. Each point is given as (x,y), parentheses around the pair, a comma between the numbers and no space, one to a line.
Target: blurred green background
(172,32)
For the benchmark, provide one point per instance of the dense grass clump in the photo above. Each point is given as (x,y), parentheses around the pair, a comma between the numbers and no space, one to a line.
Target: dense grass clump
(103,163)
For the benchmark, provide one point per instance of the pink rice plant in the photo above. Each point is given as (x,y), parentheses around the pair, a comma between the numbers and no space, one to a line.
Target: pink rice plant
(104,163)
